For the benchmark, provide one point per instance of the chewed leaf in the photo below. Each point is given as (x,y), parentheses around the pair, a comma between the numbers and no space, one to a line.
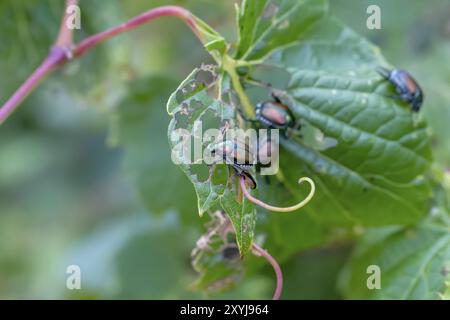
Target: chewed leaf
(197,82)
(194,110)
(189,105)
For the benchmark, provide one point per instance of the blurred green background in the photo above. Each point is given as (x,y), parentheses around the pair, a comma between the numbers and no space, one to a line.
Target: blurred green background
(67,161)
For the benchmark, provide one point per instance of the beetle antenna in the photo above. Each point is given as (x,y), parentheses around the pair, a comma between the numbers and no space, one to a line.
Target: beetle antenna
(384,72)
(258,83)
(275,97)
(279,209)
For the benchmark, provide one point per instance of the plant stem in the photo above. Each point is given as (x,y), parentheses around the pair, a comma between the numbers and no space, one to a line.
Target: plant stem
(62,50)
(137,21)
(56,56)
(279,209)
(229,65)
(257,250)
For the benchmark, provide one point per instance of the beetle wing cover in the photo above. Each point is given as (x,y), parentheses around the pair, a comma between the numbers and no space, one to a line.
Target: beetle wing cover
(276,113)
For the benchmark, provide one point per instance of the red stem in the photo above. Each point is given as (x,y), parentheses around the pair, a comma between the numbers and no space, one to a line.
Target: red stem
(56,56)
(174,11)
(276,267)
(60,53)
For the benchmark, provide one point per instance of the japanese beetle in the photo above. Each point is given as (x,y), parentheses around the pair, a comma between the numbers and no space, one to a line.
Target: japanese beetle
(274,114)
(406,86)
(236,153)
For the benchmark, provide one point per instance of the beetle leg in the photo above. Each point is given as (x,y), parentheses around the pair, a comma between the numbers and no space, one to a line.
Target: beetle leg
(275,97)
(248,175)
(296,128)
(212,168)
(242,173)
(416,107)
(407,97)
(293,132)
(394,97)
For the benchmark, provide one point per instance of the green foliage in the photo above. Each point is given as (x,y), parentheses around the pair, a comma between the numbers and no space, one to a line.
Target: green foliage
(413,262)
(369,156)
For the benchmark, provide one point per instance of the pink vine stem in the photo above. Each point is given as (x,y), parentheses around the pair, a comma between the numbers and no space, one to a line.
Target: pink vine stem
(63,50)
(257,250)
(279,209)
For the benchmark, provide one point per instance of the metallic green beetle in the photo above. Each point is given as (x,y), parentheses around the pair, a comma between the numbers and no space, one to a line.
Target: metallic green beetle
(274,114)
(406,86)
(236,153)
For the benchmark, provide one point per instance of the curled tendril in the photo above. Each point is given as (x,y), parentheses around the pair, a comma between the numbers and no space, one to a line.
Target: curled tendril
(279,209)
(258,251)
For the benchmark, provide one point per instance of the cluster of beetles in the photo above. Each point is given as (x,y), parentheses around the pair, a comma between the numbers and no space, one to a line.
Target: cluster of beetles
(273,114)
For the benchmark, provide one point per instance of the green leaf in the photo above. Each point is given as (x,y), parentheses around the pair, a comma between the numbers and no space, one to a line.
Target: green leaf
(194,111)
(247,18)
(268,25)
(213,42)
(141,124)
(414,264)
(367,149)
